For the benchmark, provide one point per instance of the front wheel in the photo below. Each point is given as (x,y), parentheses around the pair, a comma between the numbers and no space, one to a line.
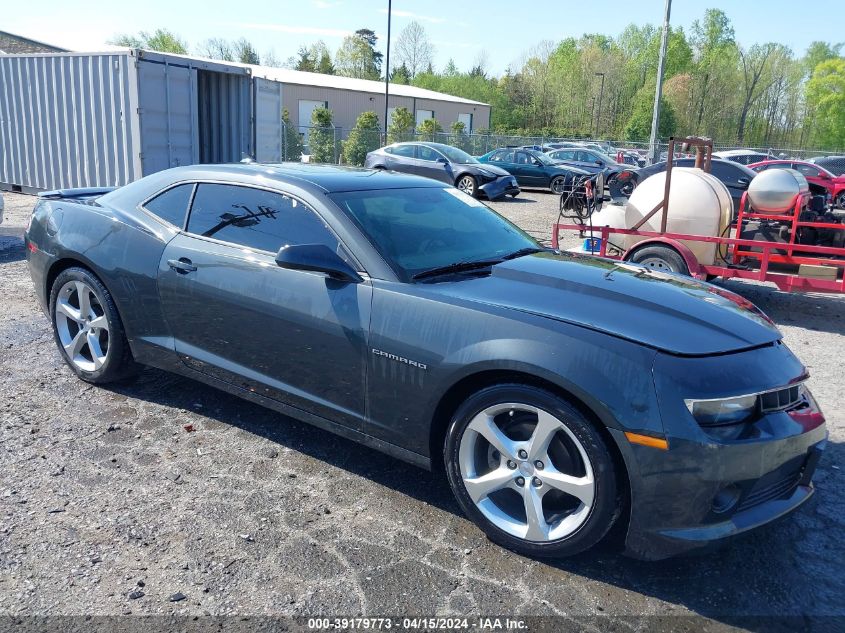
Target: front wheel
(467,184)
(558,185)
(839,201)
(531,471)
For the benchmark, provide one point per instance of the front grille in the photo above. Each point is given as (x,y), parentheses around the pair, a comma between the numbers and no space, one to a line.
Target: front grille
(780,400)
(778,484)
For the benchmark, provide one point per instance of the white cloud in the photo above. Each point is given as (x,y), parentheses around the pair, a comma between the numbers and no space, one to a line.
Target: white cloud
(301,30)
(415,16)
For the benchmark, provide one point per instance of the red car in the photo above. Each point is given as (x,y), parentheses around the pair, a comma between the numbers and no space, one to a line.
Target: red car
(815,174)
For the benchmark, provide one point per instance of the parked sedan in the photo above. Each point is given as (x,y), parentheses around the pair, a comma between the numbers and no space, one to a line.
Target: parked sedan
(447,164)
(532,168)
(814,173)
(734,176)
(593,162)
(561,394)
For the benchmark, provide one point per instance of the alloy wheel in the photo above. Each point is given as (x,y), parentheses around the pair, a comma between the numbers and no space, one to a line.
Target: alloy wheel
(558,185)
(526,472)
(467,185)
(82,325)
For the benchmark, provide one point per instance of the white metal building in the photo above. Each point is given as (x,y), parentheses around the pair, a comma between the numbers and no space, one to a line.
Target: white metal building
(106,119)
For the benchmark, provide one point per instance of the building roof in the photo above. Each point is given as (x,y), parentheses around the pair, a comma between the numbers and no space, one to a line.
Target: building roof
(287,76)
(11,44)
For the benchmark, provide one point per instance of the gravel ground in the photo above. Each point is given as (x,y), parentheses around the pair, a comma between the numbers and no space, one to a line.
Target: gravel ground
(166,496)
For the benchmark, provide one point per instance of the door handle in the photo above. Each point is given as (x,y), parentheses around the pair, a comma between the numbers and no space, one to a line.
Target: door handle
(182,265)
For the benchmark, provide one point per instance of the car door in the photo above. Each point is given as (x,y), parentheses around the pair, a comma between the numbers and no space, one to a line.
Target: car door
(734,177)
(814,175)
(401,158)
(505,159)
(433,164)
(294,336)
(528,173)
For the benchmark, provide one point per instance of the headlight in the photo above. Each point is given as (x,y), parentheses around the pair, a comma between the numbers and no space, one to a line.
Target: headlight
(723,411)
(720,411)
(486,174)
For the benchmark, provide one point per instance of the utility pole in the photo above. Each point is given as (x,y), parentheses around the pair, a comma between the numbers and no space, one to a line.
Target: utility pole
(601,94)
(387,69)
(654,150)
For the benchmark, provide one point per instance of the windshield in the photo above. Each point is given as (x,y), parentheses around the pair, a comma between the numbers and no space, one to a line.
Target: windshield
(424,228)
(543,158)
(455,155)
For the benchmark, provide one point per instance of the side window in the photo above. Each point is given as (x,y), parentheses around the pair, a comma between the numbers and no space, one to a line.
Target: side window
(586,157)
(522,158)
(403,150)
(722,171)
(172,205)
(502,156)
(567,155)
(255,218)
(807,170)
(426,153)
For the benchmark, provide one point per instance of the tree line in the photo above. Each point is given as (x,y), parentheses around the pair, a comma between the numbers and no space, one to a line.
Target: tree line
(599,86)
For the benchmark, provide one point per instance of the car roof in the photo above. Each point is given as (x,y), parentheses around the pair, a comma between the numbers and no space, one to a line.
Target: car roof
(738,152)
(319,179)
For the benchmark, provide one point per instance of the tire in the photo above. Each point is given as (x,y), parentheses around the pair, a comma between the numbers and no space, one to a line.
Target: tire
(467,184)
(558,184)
(839,201)
(663,258)
(96,353)
(570,524)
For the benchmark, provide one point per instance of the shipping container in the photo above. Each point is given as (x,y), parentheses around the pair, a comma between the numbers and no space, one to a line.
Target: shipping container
(106,119)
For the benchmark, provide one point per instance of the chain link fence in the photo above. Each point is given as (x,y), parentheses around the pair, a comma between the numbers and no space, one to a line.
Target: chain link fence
(344,146)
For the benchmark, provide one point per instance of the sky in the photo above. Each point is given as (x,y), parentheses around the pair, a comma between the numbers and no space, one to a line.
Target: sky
(500,30)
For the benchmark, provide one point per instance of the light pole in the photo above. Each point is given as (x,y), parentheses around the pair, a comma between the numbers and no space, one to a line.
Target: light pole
(652,143)
(387,69)
(601,94)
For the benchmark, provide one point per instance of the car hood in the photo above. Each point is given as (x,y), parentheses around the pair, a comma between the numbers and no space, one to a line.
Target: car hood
(564,166)
(668,312)
(493,169)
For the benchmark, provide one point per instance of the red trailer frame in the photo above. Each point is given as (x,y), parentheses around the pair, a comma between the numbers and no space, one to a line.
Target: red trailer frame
(765,253)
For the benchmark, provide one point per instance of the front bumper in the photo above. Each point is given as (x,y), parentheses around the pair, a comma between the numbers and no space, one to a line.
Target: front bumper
(710,484)
(503,185)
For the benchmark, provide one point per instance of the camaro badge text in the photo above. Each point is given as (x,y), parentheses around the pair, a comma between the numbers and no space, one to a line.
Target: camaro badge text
(400,359)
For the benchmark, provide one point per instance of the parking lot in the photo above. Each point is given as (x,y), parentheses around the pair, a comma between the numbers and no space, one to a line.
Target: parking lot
(166,496)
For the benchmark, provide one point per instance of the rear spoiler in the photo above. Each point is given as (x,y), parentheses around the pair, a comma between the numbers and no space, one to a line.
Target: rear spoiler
(82,192)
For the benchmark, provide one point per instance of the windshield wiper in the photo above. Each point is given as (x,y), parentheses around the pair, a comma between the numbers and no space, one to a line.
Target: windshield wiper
(522,252)
(456,267)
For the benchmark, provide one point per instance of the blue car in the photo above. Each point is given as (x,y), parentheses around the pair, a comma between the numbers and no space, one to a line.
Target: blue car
(532,168)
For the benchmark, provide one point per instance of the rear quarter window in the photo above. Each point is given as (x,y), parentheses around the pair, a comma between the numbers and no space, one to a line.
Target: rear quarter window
(172,205)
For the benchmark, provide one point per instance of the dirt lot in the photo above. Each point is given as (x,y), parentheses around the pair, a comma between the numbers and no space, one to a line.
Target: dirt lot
(108,505)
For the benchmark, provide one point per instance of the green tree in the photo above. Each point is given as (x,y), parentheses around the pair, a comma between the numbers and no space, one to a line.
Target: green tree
(159,40)
(321,136)
(245,52)
(357,56)
(459,137)
(401,126)
(363,138)
(826,94)
(292,149)
(400,75)
(428,129)
(638,127)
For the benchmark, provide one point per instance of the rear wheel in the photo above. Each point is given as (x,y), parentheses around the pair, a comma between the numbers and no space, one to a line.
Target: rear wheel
(840,200)
(531,471)
(467,184)
(87,328)
(662,258)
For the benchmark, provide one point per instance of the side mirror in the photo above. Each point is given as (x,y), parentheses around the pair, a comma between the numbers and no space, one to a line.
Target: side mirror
(537,162)
(317,258)
(600,163)
(743,181)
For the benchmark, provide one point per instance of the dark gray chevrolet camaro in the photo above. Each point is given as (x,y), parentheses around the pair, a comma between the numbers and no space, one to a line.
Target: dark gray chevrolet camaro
(562,394)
